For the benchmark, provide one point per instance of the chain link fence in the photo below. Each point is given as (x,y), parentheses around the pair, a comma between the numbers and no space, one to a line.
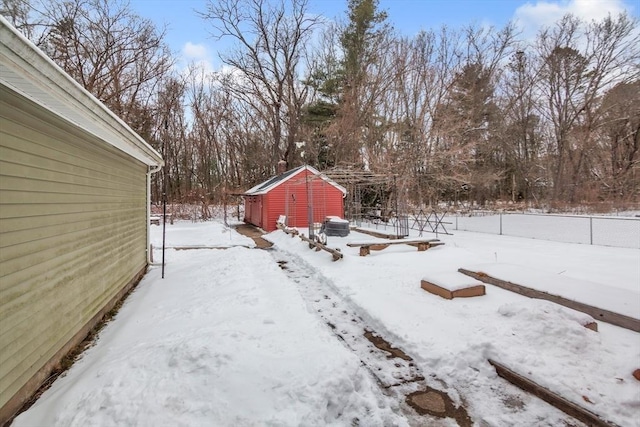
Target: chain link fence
(623,232)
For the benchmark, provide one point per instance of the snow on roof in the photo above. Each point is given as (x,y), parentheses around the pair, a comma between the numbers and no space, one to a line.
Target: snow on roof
(273,182)
(26,70)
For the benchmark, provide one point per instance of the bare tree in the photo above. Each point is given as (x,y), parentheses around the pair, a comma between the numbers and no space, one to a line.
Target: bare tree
(116,55)
(19,14)
(521,138)
(437,169)
(617,168)
(169,137)
(113,53)
(469,118)
(579,62)
(450,112)
(266,62)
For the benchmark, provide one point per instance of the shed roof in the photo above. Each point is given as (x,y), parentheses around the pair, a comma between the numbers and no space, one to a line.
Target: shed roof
(266,186)
(25,69)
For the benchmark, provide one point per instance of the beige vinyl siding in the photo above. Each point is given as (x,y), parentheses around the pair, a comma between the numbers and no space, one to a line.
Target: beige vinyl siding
(72,233)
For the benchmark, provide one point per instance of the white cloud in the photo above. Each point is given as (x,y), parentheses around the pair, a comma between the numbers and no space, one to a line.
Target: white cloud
(195,51)
(196,56)
(531,17)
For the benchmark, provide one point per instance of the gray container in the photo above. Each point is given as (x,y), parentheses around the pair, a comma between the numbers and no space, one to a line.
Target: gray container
(333,227)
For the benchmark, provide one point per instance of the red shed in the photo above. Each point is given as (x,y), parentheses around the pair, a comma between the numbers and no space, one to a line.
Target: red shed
(291,194)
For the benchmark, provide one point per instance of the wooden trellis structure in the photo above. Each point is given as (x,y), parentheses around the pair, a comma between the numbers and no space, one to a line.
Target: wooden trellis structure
(375,196)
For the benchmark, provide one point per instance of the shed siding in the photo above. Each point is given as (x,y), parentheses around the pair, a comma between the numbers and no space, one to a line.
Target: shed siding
(290,199)
(272,208)
(72,233)
(264,213)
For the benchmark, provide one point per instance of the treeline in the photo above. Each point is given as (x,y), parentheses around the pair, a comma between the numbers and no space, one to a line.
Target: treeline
(474,113)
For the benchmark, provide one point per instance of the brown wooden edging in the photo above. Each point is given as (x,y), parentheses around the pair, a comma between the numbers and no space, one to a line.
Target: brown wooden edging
(569,408)
(377,233)
(290,231)
(335,253)
(468,292)
(607,316)
(312,243)
(421,244)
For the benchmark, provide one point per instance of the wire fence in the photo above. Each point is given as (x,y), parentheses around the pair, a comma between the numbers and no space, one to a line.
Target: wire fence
(419,223)
(623,232)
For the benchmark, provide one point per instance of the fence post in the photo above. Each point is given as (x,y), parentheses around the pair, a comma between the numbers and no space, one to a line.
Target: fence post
(591,230)
(456,222)
(501,223)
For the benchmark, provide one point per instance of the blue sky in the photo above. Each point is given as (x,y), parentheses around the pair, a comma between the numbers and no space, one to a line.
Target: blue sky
(188,36)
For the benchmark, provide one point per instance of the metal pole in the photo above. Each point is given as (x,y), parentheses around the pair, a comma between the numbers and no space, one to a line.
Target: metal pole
(395,190)
(164,193)
(591,230)
(164,225)
(501,224)
(309,206)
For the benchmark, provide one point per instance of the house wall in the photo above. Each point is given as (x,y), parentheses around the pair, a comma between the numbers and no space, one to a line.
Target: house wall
(290,199)
(72,238)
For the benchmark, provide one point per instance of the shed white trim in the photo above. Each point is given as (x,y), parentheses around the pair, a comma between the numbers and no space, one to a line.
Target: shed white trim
(28,71)
(266,186)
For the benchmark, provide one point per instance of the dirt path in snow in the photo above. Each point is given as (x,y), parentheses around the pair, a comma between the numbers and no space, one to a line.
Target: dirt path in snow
(394,370)
(253,232)
(424,401)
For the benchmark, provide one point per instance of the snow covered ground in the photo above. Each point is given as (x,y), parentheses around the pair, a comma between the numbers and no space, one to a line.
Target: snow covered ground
(229,339)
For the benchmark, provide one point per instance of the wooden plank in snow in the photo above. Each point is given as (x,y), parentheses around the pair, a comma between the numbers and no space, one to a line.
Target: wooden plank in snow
(319,246)
(601,314)
(451,285)
(566,406)
(378,245)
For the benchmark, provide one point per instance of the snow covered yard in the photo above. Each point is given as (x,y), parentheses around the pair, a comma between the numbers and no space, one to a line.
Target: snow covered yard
(454,339)
(228,338)
(223,340)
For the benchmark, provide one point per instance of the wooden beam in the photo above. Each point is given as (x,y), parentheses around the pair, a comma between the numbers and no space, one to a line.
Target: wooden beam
(603,315)
(335,253)
(470,291)
(287,230)
(376,233)
(367,247)
(566,406)
(423,246)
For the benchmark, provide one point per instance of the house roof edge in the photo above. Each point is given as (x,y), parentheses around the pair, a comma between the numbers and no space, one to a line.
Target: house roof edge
(26,70)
